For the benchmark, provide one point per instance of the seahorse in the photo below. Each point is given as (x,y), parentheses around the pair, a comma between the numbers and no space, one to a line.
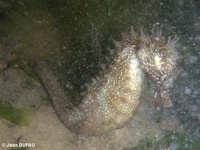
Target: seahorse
(112,97)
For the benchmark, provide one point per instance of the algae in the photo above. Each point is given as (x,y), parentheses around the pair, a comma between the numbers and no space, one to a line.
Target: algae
(19,116)
(19,148)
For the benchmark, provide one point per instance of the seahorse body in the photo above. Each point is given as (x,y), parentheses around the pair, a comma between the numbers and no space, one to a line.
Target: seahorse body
(111,99)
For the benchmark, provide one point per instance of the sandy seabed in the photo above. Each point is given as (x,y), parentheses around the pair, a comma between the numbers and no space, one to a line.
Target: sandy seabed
(47,132)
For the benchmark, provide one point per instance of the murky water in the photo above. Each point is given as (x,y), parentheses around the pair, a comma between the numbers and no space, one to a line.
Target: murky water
(72,38)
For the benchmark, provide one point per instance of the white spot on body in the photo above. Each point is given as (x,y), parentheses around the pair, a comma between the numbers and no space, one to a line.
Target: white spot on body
(158,62)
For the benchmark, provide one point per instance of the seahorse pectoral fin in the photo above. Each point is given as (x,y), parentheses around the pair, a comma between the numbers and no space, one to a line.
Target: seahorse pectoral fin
(167,85)
(165,99)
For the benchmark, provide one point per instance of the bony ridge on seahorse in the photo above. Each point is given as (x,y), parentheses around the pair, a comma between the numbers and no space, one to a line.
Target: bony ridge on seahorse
(111,98)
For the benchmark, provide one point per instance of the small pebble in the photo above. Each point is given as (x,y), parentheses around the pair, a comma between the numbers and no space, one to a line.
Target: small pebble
(184,74)
(188,91)
(196,92)
(158,109)
(194,108)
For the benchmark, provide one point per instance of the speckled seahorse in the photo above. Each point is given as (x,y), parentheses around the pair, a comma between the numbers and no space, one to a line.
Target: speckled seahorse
(111,98)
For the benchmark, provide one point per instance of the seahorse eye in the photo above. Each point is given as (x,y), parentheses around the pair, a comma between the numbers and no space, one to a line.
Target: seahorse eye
(158,62)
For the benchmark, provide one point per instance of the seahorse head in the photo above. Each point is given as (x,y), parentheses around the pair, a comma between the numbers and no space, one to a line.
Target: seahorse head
(159,59)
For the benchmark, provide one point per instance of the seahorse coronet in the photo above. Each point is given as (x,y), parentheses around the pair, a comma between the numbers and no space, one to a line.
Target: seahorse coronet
(111,99)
